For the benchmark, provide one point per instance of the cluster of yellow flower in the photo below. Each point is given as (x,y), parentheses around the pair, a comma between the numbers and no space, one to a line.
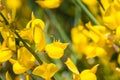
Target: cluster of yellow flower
(21,47)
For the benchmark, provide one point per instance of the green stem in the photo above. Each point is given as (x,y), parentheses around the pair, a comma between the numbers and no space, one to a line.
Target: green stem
(6,22)
(87,12)
(30,49)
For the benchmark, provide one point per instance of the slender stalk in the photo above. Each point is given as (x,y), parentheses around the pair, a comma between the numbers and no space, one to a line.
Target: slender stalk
(6,22)
(87,12)
(30,49)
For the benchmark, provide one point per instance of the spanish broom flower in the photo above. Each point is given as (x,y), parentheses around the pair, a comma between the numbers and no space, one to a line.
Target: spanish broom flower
(46,70)
(8,77)
(49,3)
(25,61)
(56,49)
(87,74)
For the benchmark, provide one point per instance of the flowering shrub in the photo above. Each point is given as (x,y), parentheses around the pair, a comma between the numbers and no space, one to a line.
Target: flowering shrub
(59,39)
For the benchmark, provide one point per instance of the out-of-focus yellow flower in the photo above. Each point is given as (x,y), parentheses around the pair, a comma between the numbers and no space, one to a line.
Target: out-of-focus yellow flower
(118,59)
(56,49)
(49,3)
(112,17)
(87,74)
(79,40)
(45,70)
(27,77)
(118,30)
(5,54)
(92,51)
(13,3)
(8,77)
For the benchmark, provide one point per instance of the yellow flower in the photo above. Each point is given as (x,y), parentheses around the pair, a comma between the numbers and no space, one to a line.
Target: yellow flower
(8,77)
(25,58)
(24,34)
(9,39)
(112,17)
(88,74)
(45,70)
(34,32)
(18,68)
(92,51)
(56,49)
(71,66)
(38,34)
(25,61)
(5,54)
(49,3)
(13,3)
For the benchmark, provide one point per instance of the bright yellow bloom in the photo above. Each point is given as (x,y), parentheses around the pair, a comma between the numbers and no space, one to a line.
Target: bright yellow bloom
(49,3)
(112,17)
(24,34)
(5,54)
(9,39)
(71,66)
(25,58)
(34,32)
(118,30)
(38,34)
(13,3)
(8,77)
(92,51)
(18,68)
(88,74)
(25,61)
(56,49)
(45,70)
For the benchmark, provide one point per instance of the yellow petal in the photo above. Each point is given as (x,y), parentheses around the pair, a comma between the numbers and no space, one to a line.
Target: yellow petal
(94,68)
(11,43)
(71,66)
(45,70)
(13,4)
(118,30)
(25,58)
(89,76)
(38,34)
(19,69)
(39,38)
(118,59)
(56,49)
(8,77)
(49,3)
(39,23)
(24,34)
(100,52)
(76,76)
(5,54)
(90,51)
